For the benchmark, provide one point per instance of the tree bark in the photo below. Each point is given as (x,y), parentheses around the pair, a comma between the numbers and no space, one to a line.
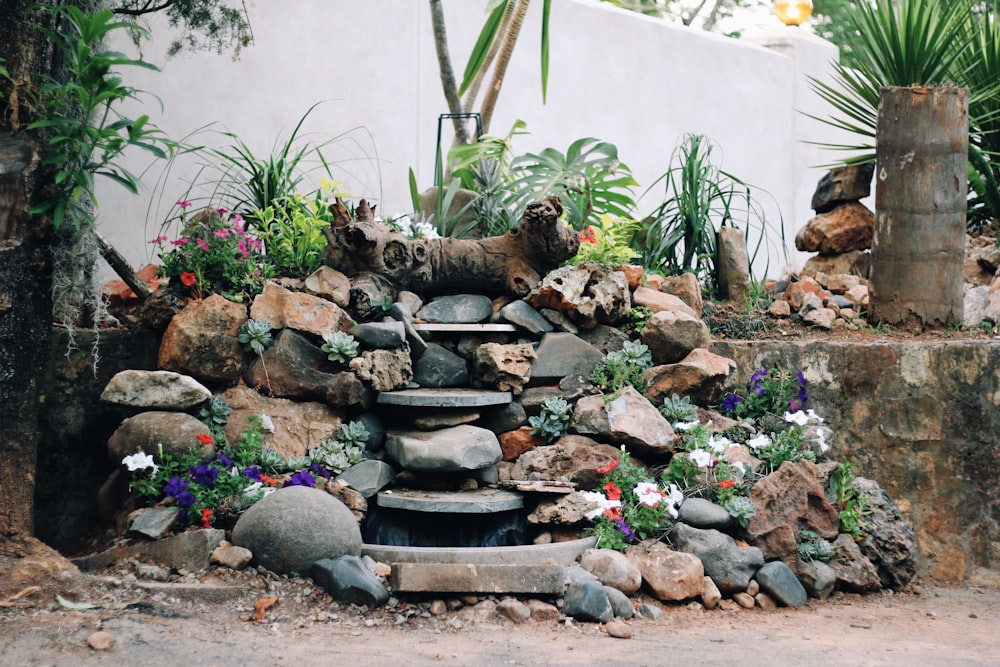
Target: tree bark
(920,203)
(510,264)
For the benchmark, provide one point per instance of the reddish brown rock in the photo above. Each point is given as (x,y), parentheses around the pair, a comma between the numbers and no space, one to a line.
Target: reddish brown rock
(517,442)
(672,335)
(685,287)
(575,458)
(669,574)
(845,228)
(201,341)
(293,428)
(700,375)
(176,432)
(661,301)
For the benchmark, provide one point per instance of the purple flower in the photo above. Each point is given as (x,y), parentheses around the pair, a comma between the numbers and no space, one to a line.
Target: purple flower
(226,462)
(252,473)
(320,470)
(758,376)
(301,478)
(204,474)
(175,487)
(622,526)
(730,402)
(185,499)
(793,405)
(802,378)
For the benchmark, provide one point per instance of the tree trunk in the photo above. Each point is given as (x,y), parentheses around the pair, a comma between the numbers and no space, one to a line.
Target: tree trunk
(510,264)
(920,201)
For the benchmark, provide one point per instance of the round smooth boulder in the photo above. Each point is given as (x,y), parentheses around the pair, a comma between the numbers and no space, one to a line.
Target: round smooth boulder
(296,526)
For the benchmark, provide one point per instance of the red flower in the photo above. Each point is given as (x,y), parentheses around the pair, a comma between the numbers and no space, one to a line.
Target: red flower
(608,468)
(205,439)
(588,235)
(612,513)
(189,279)
(270,481)
(726,484)
(206,518)
(612,492)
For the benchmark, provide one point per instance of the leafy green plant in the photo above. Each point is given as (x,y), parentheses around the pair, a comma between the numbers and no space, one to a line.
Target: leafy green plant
(340,346)
(630,507)
(698,197)
(678,409)
(607,242)
(353,434)
(87,133)
(291,229)
(851,504)
(215,415)
(553,421)
(255,336)
(788,445)
(741,509)
(637,318)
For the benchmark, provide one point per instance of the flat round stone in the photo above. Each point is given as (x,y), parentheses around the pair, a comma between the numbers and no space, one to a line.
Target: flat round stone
(480,501)
(464,328)
(431,397)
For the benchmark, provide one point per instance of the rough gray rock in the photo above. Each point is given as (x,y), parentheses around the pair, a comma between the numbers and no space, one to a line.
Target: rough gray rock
(890,544)
(587,601)
(777,580)
(457,448)
(155,390)
(730,566)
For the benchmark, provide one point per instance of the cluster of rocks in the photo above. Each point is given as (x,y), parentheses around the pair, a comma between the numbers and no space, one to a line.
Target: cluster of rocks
(418,385)
(841,234)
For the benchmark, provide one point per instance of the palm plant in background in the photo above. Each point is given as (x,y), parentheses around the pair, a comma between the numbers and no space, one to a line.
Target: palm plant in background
(923,42)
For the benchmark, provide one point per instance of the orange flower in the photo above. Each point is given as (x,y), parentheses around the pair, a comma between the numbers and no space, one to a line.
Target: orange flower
(612,492)
(270,481)
(205,439)
(588,235)
(206,518)
(608,468)
(188,279)
(612,513)
(726,484)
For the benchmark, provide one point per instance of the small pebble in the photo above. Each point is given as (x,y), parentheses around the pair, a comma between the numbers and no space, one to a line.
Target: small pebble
(618,630)
(100,640)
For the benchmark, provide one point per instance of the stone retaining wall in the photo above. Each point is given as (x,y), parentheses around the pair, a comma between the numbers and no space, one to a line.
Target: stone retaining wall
(922,419)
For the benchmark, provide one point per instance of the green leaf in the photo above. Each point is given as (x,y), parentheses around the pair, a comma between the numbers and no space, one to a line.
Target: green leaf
(546,9)
(483,43)
(75,606)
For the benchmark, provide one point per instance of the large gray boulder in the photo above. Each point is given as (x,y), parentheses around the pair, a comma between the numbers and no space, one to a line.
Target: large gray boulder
(730,566)
(296,526)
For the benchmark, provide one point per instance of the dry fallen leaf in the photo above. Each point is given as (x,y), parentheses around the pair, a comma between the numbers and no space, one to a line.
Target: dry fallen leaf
(260,608)
(12,601)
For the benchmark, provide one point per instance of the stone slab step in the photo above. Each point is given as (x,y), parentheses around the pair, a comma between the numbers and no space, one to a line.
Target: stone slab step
(437,328)
(479,501)
(432,397)
(562,553)
(471,578)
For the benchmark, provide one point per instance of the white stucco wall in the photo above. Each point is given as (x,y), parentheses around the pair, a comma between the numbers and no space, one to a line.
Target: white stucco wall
(637,82)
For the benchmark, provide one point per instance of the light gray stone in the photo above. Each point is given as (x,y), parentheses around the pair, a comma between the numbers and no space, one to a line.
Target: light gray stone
(155,390)
(561,354)
(368,477)
(629,419)
(671,335)
(669,574)
(612,568)
(523,315)
(457,309)
(703,513)
(457,448)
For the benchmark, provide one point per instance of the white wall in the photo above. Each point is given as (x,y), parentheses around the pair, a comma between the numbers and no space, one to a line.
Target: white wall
(637,82)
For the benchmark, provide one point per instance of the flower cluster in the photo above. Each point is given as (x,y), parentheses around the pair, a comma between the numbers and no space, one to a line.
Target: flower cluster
(630,507)
(773,391)
(214,254)
(419,229)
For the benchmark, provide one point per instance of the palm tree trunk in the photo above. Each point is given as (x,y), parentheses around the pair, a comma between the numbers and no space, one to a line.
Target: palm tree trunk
(920,199)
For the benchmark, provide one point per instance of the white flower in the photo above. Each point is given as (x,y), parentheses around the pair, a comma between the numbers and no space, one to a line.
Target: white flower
(821,434)
(719,445)
(140,461)
(425,230)
(812,415)
(702,458)
(648,493)
(674,499)
(600,500)
(799,418)
(686,426)
(759,441)
(266,424)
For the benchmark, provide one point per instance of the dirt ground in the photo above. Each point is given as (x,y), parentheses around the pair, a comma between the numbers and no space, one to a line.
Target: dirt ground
(165,625)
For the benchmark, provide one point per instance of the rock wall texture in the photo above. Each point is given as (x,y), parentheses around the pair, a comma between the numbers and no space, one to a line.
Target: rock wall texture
(923,420)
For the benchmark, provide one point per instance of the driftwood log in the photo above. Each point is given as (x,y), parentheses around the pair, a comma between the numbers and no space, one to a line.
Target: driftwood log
(510,264)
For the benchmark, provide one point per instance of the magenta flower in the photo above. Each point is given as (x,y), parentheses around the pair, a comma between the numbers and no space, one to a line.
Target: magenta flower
(202,244)
(159,239)
(184,204)
(222,211)
(181,241)
(241,245)
(222,233)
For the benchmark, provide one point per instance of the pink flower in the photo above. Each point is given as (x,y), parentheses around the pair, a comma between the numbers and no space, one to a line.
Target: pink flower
(181,241)
(184,204)
(222,233)
(202,244)
(222,211)
(241,245)
(159,239)
(255,244)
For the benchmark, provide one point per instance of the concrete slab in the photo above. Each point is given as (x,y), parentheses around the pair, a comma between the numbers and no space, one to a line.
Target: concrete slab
(560,553)
(470,578)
